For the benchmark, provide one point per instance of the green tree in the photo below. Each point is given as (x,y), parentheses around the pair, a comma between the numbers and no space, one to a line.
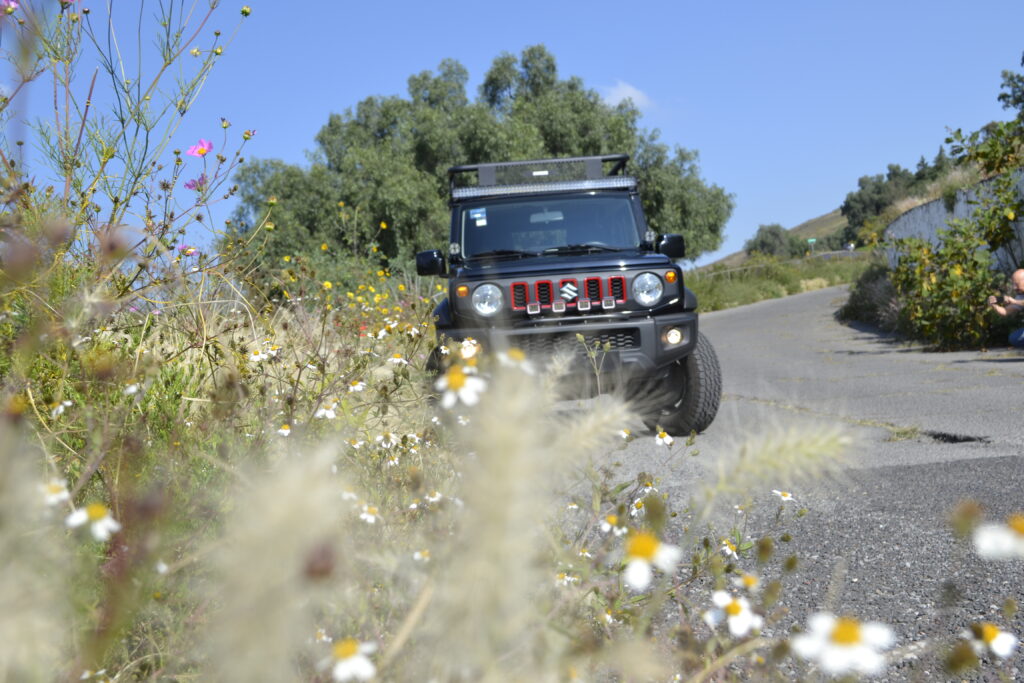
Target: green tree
(387,159)
(774,240)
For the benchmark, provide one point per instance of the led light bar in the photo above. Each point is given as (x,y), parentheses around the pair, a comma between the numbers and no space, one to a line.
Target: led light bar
(613,183)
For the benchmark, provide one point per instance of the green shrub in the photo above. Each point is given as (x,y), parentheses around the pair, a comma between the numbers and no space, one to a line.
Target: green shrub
(873,300)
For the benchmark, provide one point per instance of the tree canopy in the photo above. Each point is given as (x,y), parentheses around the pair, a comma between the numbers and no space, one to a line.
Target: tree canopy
(387,158)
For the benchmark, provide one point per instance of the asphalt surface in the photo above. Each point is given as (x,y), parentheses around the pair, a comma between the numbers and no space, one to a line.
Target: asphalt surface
(929,430)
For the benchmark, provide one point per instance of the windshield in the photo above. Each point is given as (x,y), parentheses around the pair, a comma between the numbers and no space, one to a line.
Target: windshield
(535,226)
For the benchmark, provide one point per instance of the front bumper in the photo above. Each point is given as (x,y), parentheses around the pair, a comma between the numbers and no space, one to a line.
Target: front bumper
(637,346)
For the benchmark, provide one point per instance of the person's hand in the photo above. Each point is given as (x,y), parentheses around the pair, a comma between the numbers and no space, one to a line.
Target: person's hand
(992,301)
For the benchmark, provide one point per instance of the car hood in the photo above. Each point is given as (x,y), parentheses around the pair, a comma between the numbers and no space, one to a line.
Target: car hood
(565,263)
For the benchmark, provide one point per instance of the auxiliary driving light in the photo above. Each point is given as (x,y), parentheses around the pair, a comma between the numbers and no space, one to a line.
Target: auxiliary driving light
(583,304)
(558,306)
(673,336)
(533,308)
(608,303)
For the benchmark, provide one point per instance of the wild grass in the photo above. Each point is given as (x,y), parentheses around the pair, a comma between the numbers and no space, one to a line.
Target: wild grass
(206,478)
(767,278)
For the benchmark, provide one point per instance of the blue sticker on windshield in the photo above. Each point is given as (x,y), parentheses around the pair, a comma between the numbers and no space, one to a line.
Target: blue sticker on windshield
(478,214)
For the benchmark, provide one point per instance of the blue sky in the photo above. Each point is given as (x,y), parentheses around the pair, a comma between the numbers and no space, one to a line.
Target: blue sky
(788,103)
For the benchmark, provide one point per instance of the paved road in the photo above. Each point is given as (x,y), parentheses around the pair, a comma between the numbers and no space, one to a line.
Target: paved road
(930,430)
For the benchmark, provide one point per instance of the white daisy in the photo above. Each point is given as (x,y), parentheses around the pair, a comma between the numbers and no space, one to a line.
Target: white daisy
(326,412)
(356,386)
(434,497)
(351,661)
(785,496)
(643,550)
(388,440)
(989,638)
(515,358)
(257,356)
(748,582)
(469,348)
(995,541)
(637,508)
(397,359)
(611,523)
(57,409)
(370,514)
(421,556)
(459,385)
(735,612)
(101,524)
(55,492)
(285,430)
(728,549)
(663,438)
(563,579)
(843,645)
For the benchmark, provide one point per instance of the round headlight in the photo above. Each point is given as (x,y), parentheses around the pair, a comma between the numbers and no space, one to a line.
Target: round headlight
(487,299)
(647,289)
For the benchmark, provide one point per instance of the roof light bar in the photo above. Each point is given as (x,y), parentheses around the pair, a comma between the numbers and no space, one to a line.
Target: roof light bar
(614,183)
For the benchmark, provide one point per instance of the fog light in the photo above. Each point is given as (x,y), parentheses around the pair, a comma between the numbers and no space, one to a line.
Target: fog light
(673,336)
(583,304)
(608,303)
(533,308)
(558,306)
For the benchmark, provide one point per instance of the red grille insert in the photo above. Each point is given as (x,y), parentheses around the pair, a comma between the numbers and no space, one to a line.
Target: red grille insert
(520,294)
(592,286)
(617,286)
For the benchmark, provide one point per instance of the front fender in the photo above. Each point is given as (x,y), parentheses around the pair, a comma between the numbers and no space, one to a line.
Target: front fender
(443,316)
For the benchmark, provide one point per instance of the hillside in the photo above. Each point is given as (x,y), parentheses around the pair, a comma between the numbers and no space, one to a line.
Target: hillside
(819,227)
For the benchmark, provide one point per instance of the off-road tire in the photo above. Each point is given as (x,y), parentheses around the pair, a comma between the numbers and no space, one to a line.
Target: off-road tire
(696,389)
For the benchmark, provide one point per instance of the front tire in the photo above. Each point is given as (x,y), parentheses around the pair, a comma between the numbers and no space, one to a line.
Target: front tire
(695,385)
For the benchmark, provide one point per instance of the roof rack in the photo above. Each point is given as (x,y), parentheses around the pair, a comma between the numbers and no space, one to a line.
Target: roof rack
(539,175)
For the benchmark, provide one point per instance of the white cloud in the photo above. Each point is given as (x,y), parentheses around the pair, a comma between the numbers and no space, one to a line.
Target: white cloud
(622,91)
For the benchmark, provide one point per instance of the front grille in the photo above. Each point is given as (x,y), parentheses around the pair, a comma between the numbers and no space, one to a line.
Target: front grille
(593,288)
(549,344)
(618,285)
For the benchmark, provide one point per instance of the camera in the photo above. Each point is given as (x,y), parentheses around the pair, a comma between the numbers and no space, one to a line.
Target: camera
(1000,299)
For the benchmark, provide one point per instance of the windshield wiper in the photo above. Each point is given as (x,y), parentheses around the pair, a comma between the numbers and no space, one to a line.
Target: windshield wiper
(504,252)
(569,248)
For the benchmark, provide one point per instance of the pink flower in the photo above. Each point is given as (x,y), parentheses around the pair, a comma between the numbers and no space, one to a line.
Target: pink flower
(197,184)
(200,149)
(9,6)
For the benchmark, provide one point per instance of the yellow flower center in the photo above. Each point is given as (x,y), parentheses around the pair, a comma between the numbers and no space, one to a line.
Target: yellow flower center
(1016,522)
(985,632)
(784,494)
(343,649)
(96,511)
(54,488)
(729,544)
(733,608)
(286,428)
(749,581)
(371,511)
(612,519)
(517,355)
(642,545)
(662,435)
(846,631)
(456,378)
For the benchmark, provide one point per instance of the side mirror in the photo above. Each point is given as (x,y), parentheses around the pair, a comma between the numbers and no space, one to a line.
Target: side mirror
(430,262)
(672,246)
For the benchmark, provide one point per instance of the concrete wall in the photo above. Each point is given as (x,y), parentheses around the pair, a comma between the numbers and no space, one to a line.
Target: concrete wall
(926,220)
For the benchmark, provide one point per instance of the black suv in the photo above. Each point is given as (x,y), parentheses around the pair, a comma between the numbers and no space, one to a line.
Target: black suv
(555,256)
